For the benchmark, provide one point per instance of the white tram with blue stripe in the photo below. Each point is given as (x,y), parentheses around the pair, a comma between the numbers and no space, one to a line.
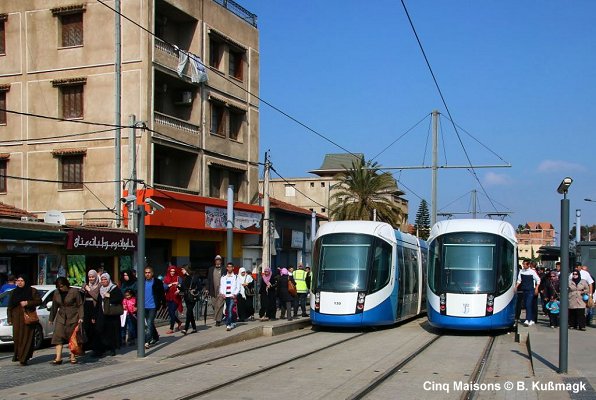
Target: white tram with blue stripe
(365,273)
(471,274)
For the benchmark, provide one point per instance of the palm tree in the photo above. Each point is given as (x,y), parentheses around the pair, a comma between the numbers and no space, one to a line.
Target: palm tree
(361,190)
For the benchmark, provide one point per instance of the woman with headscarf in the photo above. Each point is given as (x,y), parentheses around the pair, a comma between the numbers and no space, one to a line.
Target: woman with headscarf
(268,296)
(65,314)
(171,284)
(128,280)
(22,298)
(90,295)
(245,300)
(190,288)
(107,327)
(285,298)
(577,307)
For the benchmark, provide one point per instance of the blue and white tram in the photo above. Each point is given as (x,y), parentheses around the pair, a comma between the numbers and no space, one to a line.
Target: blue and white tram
(365,273)
(471,274)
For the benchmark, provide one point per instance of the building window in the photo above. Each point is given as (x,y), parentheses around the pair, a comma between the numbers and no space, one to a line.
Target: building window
(236,119)
(72,29)
(3,18)
(312,184)
(217,118)
(3,172)
(2,107)
(290,191)
(71,171)
(235,59)
(215,182)
(235,178)
(71,97)
(215,53)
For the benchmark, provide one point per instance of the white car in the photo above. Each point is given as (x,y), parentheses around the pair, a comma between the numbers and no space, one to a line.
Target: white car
(43,330)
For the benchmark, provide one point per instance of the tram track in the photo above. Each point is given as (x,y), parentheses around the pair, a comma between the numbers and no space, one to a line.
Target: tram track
(470,382)
(478,372)
(159,374)
(120,386)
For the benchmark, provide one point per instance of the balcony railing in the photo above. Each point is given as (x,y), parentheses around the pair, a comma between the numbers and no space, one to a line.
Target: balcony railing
(166,47)
(239,11)
(175,123)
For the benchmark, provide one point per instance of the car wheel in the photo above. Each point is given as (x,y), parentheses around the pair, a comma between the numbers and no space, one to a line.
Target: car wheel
(37,337)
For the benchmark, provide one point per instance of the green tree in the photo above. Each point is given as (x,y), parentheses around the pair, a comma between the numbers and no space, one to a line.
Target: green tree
(361,190)
(422,223)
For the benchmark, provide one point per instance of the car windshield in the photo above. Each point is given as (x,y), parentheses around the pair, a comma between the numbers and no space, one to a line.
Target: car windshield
(5,297)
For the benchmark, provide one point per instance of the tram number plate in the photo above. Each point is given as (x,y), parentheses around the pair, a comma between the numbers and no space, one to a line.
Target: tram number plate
(337,303)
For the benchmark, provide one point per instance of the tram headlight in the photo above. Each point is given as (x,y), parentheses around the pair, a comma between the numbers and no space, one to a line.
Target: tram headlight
(443,299)
(317,300)
(360,302)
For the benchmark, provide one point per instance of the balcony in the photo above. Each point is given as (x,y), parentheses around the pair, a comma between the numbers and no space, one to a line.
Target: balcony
(175,123)
(239,11)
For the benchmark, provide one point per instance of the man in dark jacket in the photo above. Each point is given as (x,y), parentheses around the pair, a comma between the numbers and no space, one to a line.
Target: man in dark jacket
(155,298)
(213,280)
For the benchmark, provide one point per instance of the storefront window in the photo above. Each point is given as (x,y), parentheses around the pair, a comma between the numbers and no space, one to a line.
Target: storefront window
(48,266)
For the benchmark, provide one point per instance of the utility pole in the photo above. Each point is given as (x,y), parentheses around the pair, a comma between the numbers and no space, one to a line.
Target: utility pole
(266,257)
(435,167)
(141,281)
(132,184)
(230,224)
(474,204)
(118,106)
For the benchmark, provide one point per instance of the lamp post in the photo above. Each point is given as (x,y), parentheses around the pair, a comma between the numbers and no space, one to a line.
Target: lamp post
(563,277)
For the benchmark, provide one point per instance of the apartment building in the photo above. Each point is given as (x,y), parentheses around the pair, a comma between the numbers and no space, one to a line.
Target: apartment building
(189,75)
(532,237)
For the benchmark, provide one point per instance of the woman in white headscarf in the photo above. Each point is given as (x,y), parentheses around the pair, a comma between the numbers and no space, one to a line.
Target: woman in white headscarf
(107,324)
(245,300)
(90,295)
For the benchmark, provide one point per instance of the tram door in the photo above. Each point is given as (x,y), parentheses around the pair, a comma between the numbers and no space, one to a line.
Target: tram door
(401,283)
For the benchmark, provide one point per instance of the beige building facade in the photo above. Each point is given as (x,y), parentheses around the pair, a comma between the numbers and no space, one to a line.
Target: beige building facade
(532,237)
(194,137)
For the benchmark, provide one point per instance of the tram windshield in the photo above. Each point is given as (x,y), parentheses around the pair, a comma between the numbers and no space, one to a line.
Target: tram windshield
(341,263)
(470,263)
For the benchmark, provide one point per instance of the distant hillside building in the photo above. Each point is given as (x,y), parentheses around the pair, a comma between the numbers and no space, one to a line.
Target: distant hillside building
(533,236)
(314,193)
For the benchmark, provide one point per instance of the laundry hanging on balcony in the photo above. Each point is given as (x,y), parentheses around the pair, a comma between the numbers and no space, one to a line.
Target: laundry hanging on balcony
(198,72)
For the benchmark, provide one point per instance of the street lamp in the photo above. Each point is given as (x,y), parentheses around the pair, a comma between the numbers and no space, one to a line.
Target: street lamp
(590,200)
(564,315)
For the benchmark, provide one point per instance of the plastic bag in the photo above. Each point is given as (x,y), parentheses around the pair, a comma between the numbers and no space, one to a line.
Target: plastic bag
(75,347)
(81,334)
(292,288)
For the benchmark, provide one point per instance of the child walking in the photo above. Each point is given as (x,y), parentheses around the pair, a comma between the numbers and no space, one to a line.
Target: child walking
(553,307)
(129,304)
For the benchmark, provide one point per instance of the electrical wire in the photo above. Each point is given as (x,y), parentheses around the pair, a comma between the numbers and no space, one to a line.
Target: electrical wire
(478,141)
(74,121)
(401,136)
(23,178)
(299,191)
(471,169)
(4,142)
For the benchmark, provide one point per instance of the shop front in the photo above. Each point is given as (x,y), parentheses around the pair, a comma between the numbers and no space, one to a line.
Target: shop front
(192,230)
(32,249)
(104,250)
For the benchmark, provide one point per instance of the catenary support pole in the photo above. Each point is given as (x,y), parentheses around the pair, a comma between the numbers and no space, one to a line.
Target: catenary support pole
(117,114)
(141,282)
(564,287)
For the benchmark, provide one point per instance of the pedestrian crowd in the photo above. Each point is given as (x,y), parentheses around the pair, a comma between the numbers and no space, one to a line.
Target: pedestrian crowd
(534,282)
(101,317)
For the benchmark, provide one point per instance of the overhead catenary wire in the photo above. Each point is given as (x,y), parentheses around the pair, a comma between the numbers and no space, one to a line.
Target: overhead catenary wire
(4,142)
(471,169)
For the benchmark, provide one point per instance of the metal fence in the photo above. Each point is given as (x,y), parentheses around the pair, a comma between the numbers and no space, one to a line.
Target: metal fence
(239,11)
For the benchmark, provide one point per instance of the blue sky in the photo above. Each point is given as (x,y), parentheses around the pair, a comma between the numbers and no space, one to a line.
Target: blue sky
(519,77)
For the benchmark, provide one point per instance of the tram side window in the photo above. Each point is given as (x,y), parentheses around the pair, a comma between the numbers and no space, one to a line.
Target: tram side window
(505,278)
(381,266)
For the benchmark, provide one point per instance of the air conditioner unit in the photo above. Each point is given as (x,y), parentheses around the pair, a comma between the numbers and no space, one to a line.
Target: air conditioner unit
(184,98)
